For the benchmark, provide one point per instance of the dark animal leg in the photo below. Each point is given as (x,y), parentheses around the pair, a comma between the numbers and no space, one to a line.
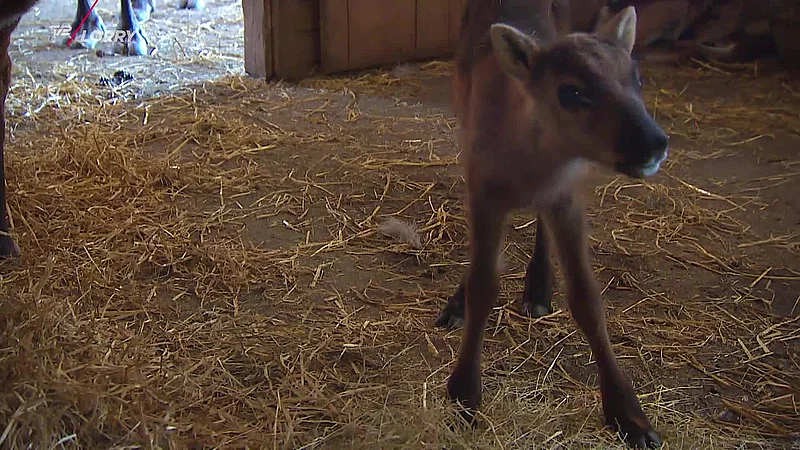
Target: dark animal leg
(481,286)
(8,248)
(567,225)
(535,297)
(197,5)
(129,39)
(452,316)
(538,292)
(88,34)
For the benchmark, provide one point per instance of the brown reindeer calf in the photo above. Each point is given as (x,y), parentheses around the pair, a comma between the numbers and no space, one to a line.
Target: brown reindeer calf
(535,109)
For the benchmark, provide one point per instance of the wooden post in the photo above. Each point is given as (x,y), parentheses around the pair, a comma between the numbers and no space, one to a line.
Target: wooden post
(295,37)
(290,38)
(257,38)
(334,31)
(433,31)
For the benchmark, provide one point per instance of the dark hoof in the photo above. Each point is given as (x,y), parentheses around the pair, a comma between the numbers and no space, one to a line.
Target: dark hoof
(624,414)
(196,5)
(535,310)
(464,389)
(8,248)
(452,316)
(537,295)
(647,440)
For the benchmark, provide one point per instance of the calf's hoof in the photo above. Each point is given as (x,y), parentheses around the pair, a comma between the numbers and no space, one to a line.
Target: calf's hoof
(8,248)
(464,388)
(535,309)
(624,414)
(452,316)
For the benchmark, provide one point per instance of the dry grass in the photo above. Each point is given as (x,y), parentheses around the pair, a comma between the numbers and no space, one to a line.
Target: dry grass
(212,269)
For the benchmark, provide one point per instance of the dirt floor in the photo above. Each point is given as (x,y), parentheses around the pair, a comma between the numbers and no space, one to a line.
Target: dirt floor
(204,264)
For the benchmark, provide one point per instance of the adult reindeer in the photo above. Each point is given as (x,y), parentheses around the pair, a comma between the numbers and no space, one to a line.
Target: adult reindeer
(535,107)
(132,14)
(11,11)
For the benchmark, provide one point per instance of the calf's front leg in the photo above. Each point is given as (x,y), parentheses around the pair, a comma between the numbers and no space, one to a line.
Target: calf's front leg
(566,223)
(481,286)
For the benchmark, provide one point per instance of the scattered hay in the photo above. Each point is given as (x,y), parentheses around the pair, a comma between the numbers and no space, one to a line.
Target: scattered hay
(202,269)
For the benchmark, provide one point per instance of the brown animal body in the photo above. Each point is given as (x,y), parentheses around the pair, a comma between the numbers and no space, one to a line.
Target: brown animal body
(712,29)
(11,11)
(535,108)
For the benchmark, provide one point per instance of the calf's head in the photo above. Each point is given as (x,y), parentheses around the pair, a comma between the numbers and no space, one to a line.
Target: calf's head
(587,94)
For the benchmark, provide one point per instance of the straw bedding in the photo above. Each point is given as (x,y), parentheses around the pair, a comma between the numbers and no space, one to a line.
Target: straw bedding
(249,265)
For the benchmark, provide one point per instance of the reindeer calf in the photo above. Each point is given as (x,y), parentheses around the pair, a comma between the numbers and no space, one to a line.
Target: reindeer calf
(535,108)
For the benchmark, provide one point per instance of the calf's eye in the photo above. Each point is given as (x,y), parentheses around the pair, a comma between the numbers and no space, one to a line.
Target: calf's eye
(573,97)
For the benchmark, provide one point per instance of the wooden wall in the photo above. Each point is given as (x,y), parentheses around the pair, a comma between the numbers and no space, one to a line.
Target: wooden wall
(292,38)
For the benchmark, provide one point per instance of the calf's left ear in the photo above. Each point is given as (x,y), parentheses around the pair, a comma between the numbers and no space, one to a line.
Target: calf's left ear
(515,51)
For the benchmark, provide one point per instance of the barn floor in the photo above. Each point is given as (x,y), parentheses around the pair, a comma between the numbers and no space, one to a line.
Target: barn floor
(207,269)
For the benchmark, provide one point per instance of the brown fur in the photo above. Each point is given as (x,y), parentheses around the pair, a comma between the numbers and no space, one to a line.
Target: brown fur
(526,146)
(10,13)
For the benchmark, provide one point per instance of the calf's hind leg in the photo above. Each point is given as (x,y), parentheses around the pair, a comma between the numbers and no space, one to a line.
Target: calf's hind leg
(538,292)
(536,297)
(566,223)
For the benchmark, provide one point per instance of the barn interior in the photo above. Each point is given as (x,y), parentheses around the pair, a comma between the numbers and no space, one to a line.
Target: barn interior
(214,259)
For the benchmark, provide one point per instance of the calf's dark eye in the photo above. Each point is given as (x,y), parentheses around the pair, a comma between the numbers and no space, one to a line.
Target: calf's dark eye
(573,97)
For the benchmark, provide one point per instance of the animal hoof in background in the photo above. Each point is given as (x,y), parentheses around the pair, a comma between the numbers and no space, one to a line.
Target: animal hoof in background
(8,248)
(87,36)
(196,5)
(725,52)
(134,44)
(452,316)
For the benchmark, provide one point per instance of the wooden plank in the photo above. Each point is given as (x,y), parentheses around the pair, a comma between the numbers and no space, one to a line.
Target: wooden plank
(257,38)
(454,24)
(295,37)
(333,35)
(381,32)
(433,30)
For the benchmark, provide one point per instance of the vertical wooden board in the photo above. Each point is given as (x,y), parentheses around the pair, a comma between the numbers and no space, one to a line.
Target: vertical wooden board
(381,32)
(433,31)
(257,38)
(295,37)
(333,35)
(454,24)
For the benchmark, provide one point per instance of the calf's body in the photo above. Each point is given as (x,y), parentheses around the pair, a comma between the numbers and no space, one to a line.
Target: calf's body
(536,106)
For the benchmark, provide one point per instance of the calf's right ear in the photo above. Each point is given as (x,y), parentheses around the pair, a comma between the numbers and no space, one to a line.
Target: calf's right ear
(515,51)
(620,27)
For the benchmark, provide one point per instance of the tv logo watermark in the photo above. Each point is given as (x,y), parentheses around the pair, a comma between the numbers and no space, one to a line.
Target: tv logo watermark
(100,35)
